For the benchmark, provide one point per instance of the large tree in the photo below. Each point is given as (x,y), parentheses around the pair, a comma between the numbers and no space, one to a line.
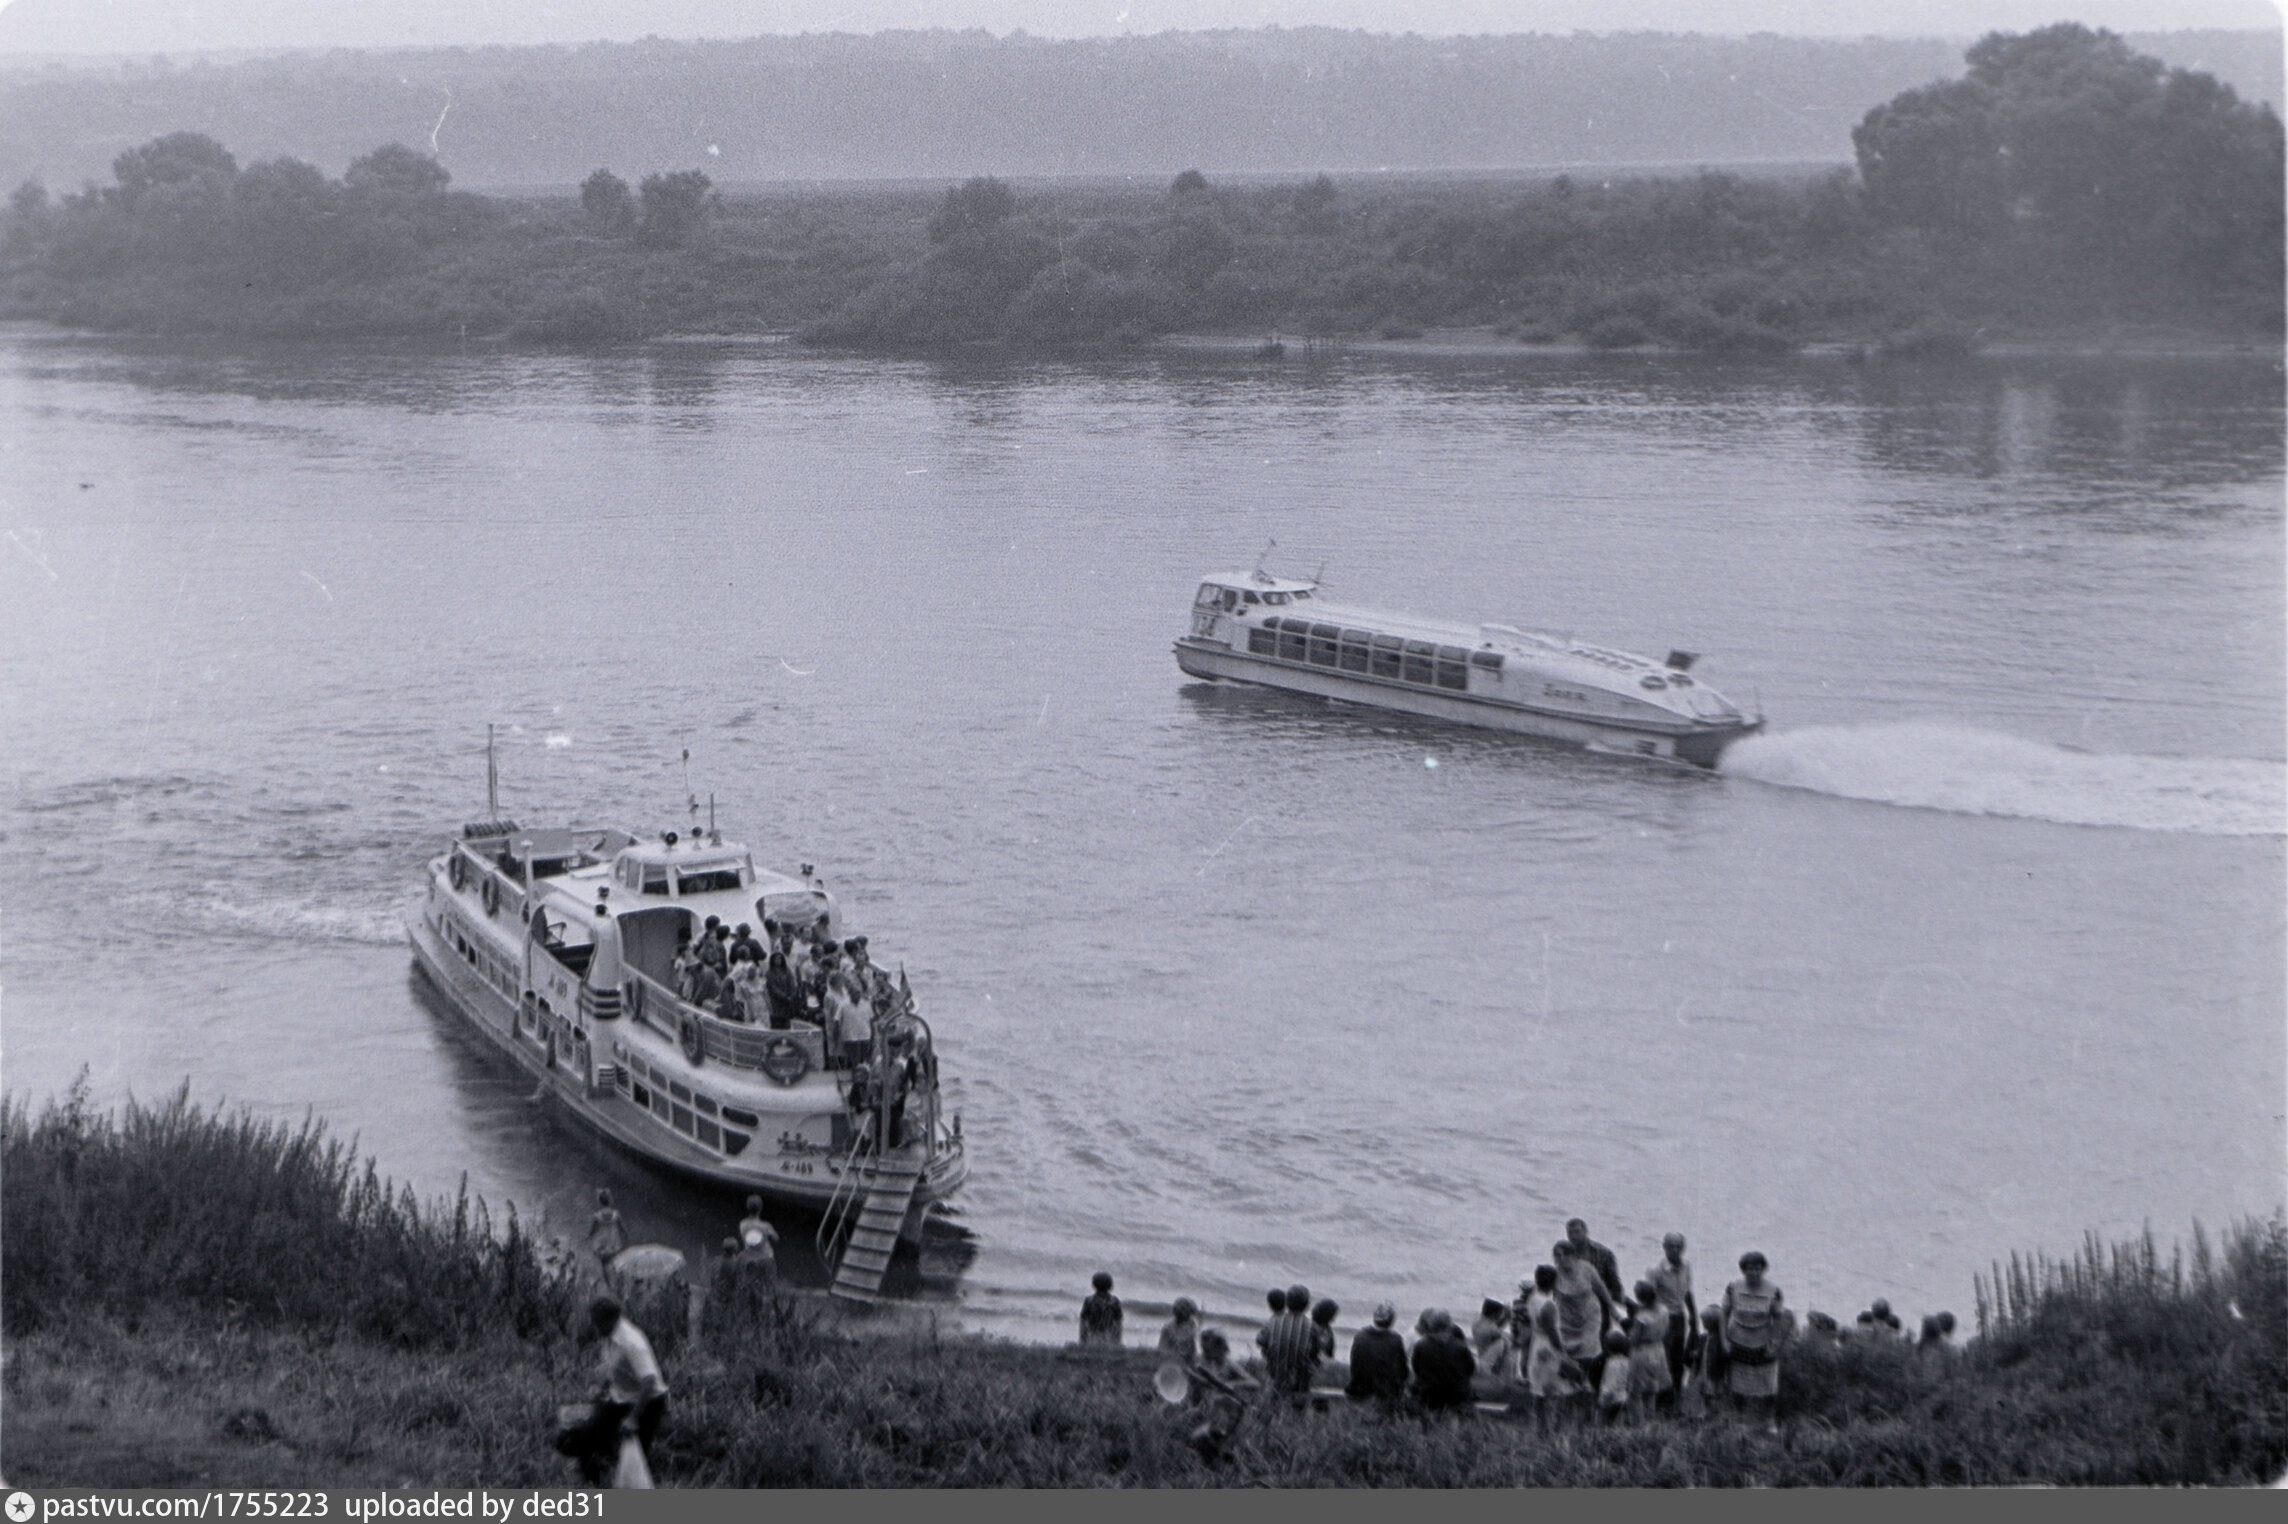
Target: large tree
(395,167)
(179,158)
(674,207)
(2071,138)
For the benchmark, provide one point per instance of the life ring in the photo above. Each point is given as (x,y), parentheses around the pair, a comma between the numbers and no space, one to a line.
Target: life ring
(694,1042)
(458,871)
(784,1060)
(491,896)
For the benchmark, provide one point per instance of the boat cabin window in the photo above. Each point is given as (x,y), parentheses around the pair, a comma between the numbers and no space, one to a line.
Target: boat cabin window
(654,878)
(797,909)
(1301,593)
(713,879)
(1252,597)
(1387,656)
(1490,660)
(1207,597)
(1275,598)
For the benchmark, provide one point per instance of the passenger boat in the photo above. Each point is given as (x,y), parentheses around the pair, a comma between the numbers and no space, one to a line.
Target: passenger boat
(1250,627)
(558,946)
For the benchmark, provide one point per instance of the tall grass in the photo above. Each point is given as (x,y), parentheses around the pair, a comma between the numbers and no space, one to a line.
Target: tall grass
(175,1204)
(2188,1389)
(2204,1339)
(170,1271)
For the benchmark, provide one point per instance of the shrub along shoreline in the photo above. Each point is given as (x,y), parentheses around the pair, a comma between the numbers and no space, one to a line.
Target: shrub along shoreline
(196,1297)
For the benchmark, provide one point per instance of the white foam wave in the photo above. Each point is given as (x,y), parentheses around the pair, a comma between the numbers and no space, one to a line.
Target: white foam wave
(1968,771)
(285,920)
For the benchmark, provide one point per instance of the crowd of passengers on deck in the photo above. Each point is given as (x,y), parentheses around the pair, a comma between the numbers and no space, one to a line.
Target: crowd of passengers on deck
(788,980)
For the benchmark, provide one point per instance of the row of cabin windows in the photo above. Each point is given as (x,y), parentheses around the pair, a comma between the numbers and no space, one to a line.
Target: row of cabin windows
(1230,599)
(1365,652)
(489,968)
(693,1115)
(651,878)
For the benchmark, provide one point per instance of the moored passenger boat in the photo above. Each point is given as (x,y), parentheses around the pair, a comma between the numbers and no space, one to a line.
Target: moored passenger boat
(1250,627)
(559,945)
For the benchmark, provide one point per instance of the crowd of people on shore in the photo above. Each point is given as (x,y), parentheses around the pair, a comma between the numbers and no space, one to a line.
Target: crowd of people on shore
(790,978)
(1577,1344)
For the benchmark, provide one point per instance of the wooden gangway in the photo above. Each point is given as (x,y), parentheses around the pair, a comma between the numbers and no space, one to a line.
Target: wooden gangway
(889,1182)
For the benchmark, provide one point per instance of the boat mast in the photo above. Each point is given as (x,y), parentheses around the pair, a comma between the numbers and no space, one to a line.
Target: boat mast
(492,779)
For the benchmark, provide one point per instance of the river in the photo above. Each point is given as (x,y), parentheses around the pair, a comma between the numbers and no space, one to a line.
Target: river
(1978,949)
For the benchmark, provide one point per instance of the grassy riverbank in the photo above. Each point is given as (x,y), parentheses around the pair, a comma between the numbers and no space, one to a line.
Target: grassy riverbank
(196,1298)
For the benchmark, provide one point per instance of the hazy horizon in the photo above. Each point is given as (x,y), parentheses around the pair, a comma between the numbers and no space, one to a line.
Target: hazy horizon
(135,27)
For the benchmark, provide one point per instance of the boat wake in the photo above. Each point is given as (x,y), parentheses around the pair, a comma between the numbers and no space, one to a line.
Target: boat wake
(214,912)
(1924,765)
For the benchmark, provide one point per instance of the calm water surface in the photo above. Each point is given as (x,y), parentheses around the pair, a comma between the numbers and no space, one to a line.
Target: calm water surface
(1981,947)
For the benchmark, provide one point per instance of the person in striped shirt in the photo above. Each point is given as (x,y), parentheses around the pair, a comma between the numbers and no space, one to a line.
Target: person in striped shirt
(1290,1345)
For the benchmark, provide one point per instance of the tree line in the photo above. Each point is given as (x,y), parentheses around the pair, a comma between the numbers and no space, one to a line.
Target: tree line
(2066,182)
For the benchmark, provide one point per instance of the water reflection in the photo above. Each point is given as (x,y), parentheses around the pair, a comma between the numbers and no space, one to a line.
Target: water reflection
(682,380)
(2068,426)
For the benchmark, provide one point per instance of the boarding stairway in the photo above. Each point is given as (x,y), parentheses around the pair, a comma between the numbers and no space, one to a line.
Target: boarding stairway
(880,1187)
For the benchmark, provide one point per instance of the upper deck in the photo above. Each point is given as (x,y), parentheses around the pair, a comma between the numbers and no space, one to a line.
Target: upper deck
(1250,596)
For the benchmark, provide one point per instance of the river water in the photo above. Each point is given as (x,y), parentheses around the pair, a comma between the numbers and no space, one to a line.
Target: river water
(1979,948)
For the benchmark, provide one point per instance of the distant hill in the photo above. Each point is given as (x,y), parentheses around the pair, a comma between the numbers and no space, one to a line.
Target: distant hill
(949,104)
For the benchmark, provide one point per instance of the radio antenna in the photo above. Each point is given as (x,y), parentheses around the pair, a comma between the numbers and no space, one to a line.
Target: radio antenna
(492,778)
(1268,547)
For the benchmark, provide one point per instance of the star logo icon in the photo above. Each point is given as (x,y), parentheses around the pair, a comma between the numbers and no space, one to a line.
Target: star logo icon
(20,1507)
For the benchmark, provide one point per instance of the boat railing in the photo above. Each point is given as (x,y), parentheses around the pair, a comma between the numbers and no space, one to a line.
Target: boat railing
(842,1206)
(734,1043)
(507,891)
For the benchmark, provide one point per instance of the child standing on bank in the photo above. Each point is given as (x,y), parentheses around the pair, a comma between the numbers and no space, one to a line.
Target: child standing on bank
(1613,1385)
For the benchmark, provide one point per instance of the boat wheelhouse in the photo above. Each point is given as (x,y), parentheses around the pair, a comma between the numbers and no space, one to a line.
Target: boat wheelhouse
(559,945)
(1280,632)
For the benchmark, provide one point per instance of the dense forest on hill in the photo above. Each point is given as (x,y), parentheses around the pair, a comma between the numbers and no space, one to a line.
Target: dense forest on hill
(2066,187)
(953,104)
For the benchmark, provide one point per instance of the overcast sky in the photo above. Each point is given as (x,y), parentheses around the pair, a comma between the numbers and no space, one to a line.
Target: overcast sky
(143,26)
